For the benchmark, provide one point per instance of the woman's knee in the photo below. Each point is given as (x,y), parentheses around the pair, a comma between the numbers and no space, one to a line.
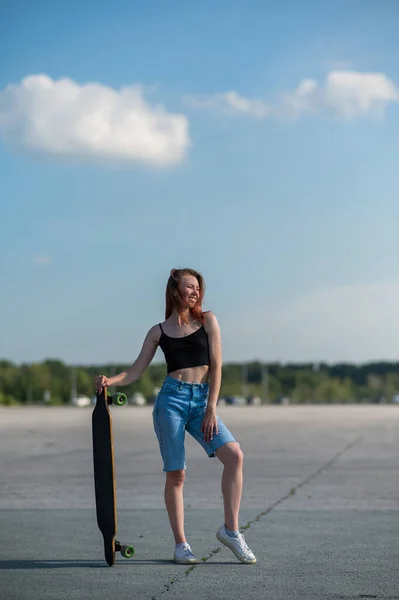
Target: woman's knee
(238,455)
(176,478)
(231,455)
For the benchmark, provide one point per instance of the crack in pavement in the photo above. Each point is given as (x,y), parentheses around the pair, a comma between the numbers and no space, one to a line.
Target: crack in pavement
(262,514)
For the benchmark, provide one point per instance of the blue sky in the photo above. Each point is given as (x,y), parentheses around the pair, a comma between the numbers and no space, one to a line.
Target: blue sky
(283,193)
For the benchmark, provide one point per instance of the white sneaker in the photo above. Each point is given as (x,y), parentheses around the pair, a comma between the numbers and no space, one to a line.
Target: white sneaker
(184,556)
(237,545)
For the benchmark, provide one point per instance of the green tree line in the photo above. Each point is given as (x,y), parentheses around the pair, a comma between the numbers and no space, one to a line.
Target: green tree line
(53,382)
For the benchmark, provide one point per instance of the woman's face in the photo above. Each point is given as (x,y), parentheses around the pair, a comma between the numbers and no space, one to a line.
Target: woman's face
(189,289)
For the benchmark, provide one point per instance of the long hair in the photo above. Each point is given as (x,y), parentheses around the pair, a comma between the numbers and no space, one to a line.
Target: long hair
(174,298)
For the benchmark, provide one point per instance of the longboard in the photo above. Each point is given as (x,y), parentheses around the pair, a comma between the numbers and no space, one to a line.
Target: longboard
(104,474)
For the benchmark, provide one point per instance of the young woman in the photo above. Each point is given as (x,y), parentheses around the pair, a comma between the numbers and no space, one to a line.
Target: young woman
(191,342)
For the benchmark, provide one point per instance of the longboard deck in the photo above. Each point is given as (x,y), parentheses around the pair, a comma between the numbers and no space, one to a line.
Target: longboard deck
(104,474)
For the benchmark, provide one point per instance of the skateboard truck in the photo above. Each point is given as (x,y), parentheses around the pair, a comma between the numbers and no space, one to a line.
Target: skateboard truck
(119,399)
(125,550)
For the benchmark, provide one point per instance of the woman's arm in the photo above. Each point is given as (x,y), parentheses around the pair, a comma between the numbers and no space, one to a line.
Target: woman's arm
(215,352)
(209,425)
(134,372)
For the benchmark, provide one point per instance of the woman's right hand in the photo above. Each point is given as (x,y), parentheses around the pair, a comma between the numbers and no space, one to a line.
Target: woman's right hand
(100,382)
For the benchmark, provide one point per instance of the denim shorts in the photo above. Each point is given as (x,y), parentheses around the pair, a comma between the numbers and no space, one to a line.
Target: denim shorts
(181,406)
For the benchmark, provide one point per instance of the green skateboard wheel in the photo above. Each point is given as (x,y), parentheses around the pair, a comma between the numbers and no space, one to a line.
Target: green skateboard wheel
(119,399)
(127,551)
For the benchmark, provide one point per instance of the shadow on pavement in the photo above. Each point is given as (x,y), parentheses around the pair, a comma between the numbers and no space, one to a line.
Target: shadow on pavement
(8,565)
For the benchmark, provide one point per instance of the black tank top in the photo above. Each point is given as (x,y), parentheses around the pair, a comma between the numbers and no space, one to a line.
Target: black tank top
(183,352)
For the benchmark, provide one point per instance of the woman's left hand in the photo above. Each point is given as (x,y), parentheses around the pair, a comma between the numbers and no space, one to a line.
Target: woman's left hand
(209,425)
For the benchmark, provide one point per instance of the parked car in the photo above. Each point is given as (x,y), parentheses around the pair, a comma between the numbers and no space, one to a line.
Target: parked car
(137,399)
(233,400)
(254,400)
(80,400)
(282,400)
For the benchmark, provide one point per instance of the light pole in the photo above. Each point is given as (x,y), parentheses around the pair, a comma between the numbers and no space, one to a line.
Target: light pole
(244,380)
(265,383)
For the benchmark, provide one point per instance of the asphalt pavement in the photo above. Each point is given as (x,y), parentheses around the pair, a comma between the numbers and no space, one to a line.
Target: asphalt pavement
(320,507)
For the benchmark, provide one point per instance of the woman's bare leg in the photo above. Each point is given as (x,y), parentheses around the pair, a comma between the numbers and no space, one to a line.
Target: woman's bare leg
(232,457)
(174,503)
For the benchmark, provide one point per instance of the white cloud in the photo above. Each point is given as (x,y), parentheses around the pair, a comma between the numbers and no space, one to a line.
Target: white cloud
(347,94)
(230,102)
(41,259)
(92,120)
